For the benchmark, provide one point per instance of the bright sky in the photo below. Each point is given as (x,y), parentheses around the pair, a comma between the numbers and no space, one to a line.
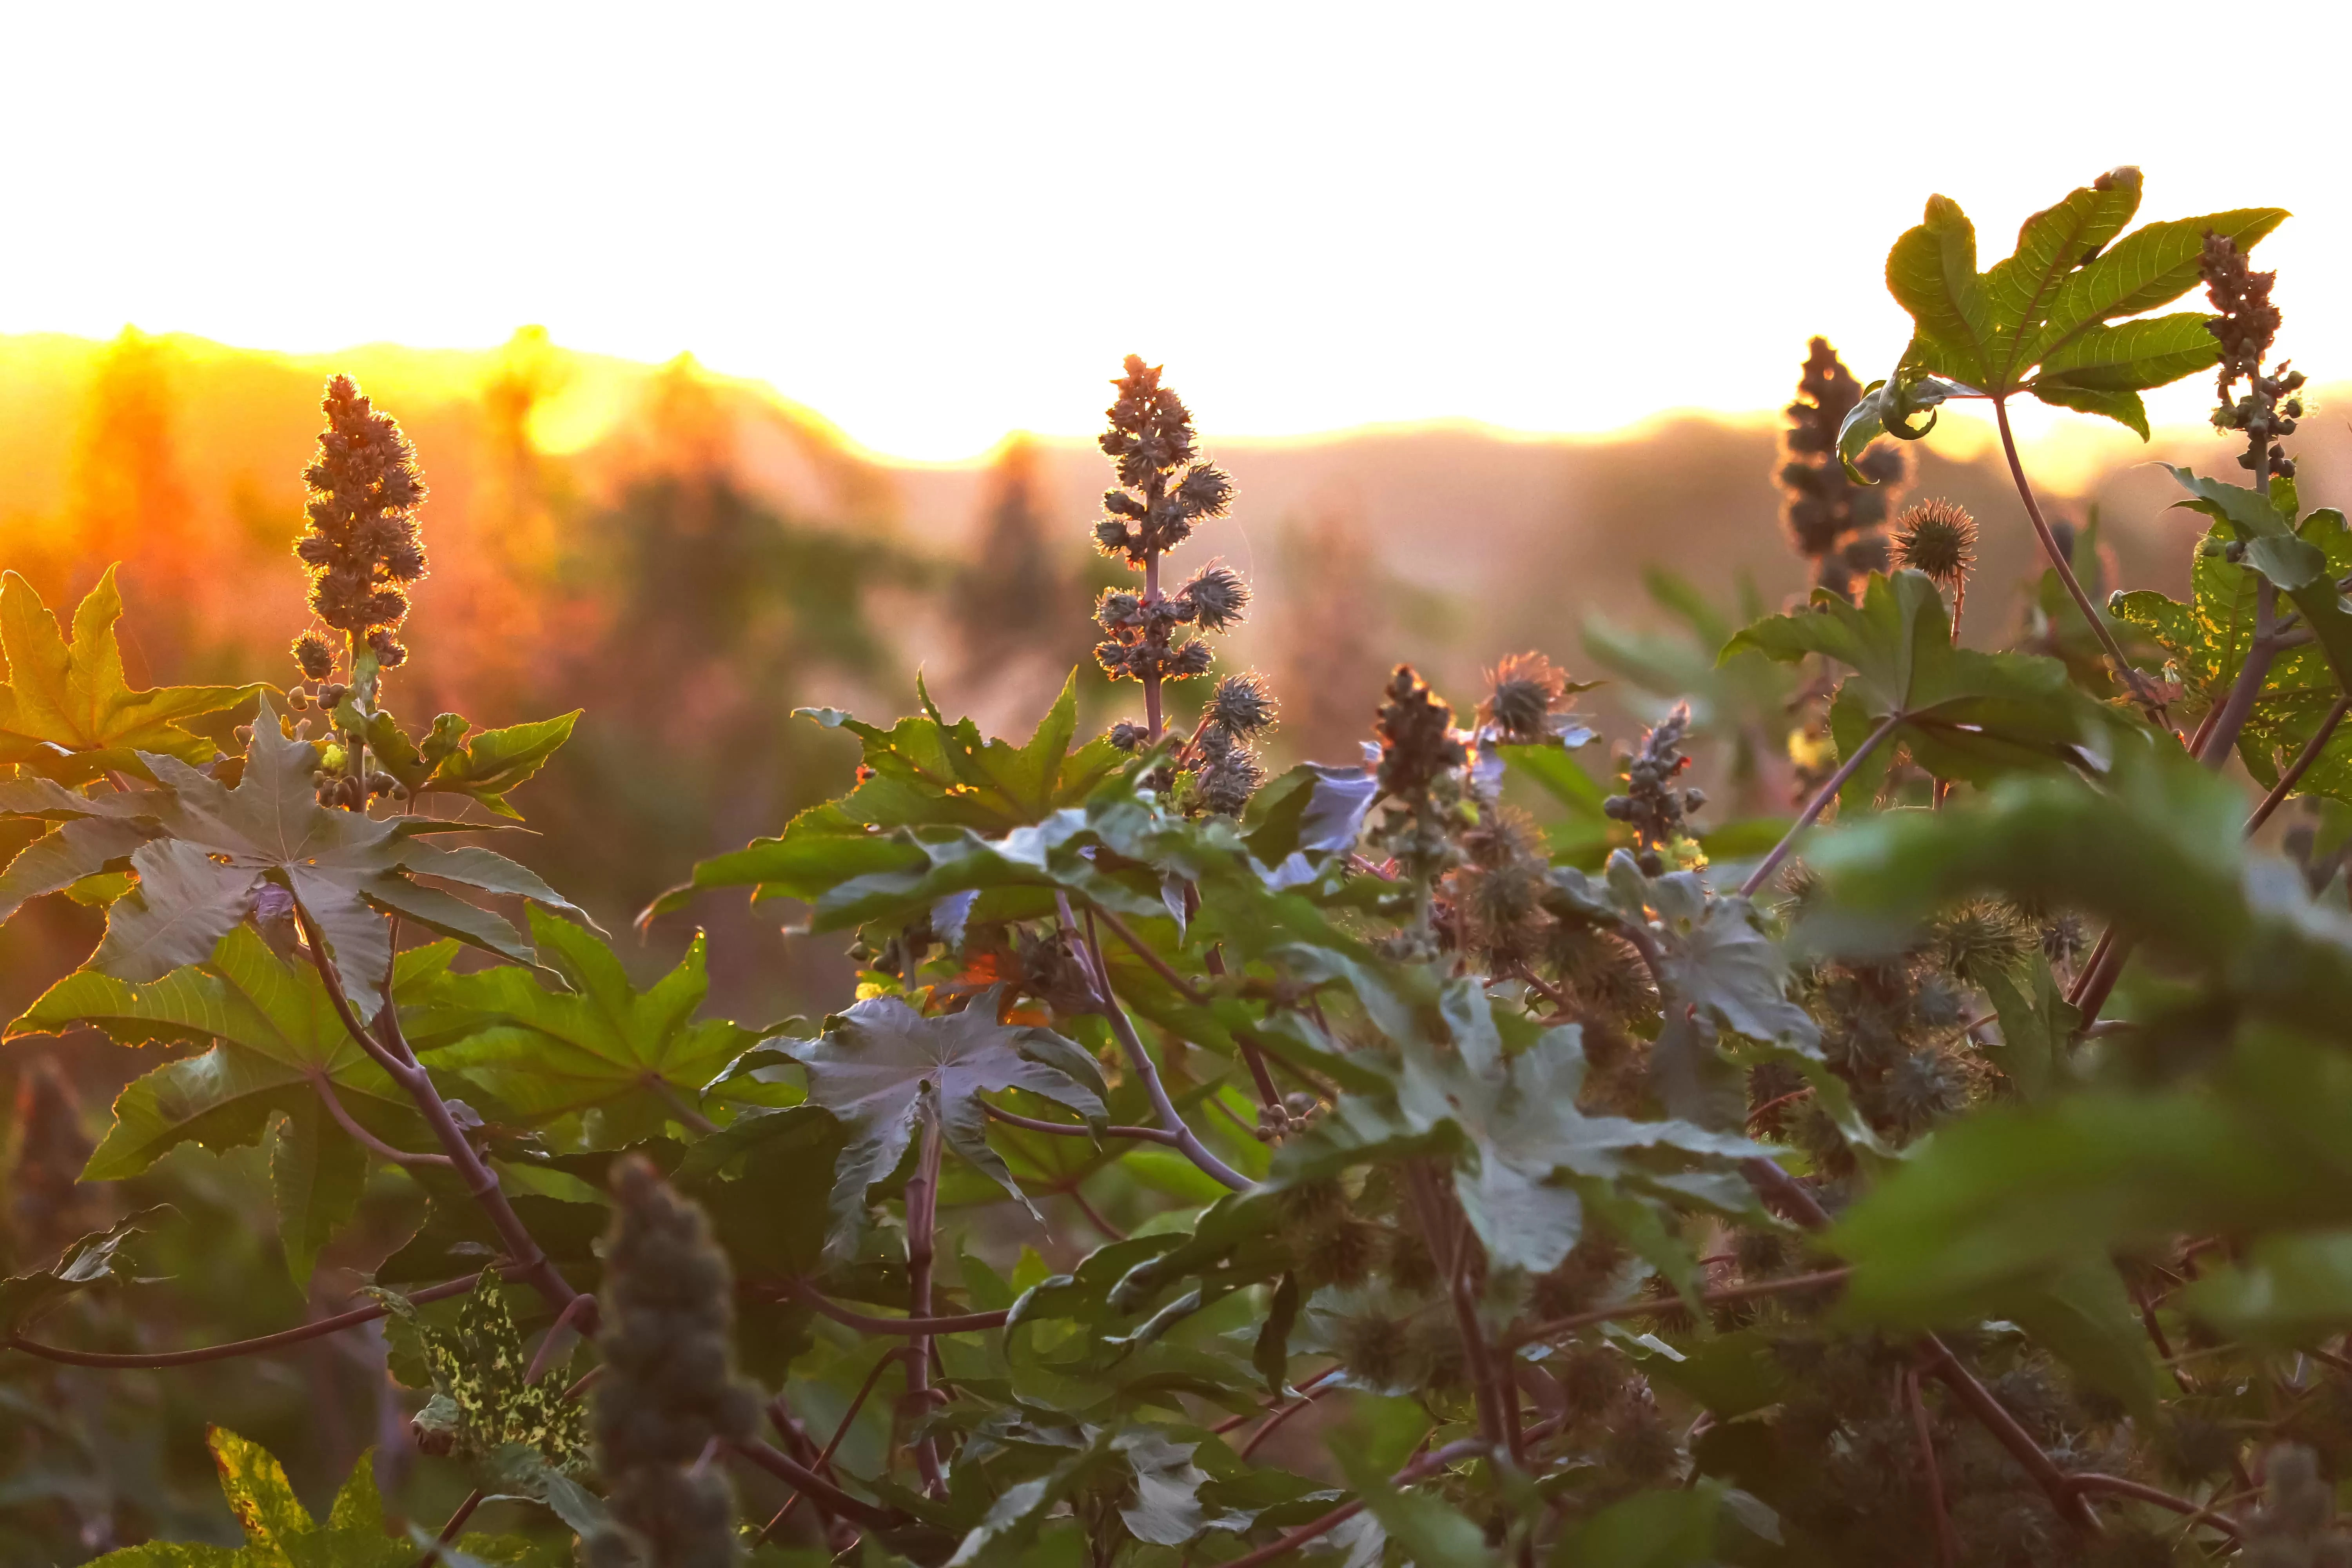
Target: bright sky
(937,223)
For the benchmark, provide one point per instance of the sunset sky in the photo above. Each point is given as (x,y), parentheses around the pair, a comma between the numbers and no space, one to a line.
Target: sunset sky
(934,223)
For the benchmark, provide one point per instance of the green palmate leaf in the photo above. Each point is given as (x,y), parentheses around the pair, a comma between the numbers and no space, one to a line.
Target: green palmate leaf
(633,1058)
(2288,1289)
(343,869)
(2298,561)
(874,1070)
(87,1262)
(1687,1527)
(2013,1199)
(2037,1023)
(316,1174)
(2205,639)
(66,712)
(924,773)
(1525,1159)
(1963,715)
(280,1533)
(481,1401)
(2051,319)
(483,768)
(2160,852)
(272,1032)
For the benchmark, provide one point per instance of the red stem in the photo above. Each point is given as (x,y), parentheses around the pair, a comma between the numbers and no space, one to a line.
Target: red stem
(922,1222)
(839,1432)
(391,1053)
(294,1336)
(2130,678)
(2302,763)
(866,1324)
(1947,1545)
(449,1530)
(1815,806)
(794,1474)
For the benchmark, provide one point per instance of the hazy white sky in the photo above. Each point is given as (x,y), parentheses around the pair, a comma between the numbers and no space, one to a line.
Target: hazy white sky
(937,223)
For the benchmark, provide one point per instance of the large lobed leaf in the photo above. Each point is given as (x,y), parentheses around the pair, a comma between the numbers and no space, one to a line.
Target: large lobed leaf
(202,852)
(631,1058)
(1963,715)
(923,771)
(875,1069)
(66,712)
(2052,319)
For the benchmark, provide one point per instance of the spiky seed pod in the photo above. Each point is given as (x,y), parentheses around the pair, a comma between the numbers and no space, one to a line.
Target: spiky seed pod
(315,656)
(1241,705)
(365,487)
(1377,1348)
(669,1388)
(1583,1278)
(1129,736)
(2245,329)
(1640,1444)
(1650,804)
(1438,1349)
(1939,538)
(1523,691)
(1411,1267)
(1342,1250)
(1228,774)
(1591,1376)
(1759,1253)
(1188,662)
(1215,596)
(1924,1088)
(1982,939)
(1416,729)
(1603,972)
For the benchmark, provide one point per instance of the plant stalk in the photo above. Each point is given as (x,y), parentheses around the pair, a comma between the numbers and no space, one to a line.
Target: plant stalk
(2132,680)
(391,1053)
(922,1221)
(1188,1141)
(1815,806)
(229,1352)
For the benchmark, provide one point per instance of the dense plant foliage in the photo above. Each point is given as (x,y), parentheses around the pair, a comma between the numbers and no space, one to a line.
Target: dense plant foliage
(1953,1182)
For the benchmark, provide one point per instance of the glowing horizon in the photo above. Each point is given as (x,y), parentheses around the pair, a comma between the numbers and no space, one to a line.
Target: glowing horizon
(933,227)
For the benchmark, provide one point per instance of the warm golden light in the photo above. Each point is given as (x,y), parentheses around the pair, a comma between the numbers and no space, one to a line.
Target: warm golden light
(936,223)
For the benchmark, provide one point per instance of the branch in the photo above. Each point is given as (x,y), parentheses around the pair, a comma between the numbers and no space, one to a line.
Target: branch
(2092,1481)
(362,1136)
(799,1477)
(229,1352)
(839,1432)
(922,1222)
(1947,1545)
(1663,1304)
(1815,806)
(1142,950)
(964,1323)
(1188,1142)
(449,1530)
(2247,689)
(2132,680)
(1079,1129)
(390,1051)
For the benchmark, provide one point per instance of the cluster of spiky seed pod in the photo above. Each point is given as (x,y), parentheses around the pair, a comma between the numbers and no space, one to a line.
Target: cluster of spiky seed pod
(1653,805)
(2246,327)
(668,1391)
(1286,1116)
(1833,520)
(361,543)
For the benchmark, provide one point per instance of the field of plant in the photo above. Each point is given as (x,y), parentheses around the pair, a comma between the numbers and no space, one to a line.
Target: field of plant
(1487,1145)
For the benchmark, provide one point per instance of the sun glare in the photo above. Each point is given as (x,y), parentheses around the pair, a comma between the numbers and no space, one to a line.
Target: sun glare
(933,224)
